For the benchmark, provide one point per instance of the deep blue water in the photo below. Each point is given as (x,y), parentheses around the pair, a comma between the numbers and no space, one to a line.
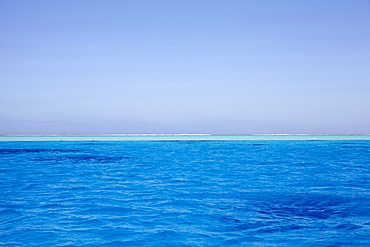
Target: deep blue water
(185,193)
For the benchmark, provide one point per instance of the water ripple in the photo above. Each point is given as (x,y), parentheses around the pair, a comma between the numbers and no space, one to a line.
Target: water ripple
(196,193)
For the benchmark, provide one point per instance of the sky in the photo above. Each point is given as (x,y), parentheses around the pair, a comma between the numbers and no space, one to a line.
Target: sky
(185,66)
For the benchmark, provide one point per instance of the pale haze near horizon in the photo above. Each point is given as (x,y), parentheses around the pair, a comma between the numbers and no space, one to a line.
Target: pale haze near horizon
(219,67)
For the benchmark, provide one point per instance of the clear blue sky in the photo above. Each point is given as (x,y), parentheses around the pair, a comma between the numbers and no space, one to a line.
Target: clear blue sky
(185,66)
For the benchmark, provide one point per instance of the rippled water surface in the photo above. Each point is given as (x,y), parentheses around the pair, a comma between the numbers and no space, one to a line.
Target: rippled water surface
(185,193)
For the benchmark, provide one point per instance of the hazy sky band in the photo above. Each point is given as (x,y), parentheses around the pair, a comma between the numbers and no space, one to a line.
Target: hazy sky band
(187,137)
(221,67)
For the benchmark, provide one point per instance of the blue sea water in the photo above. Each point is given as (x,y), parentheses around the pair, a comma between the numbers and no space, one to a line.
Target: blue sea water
(185,193)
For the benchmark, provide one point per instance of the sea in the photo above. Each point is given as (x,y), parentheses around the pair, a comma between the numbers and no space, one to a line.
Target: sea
(185,190)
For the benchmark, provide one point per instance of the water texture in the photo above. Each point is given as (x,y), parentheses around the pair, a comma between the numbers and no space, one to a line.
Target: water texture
(185,193)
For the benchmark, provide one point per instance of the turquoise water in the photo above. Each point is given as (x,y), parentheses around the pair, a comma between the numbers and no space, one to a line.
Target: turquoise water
(185,191)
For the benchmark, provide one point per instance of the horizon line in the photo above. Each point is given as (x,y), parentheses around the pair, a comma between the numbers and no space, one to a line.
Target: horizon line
(184,134)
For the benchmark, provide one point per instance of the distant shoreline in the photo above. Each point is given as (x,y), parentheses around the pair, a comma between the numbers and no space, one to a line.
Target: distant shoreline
(185,137)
